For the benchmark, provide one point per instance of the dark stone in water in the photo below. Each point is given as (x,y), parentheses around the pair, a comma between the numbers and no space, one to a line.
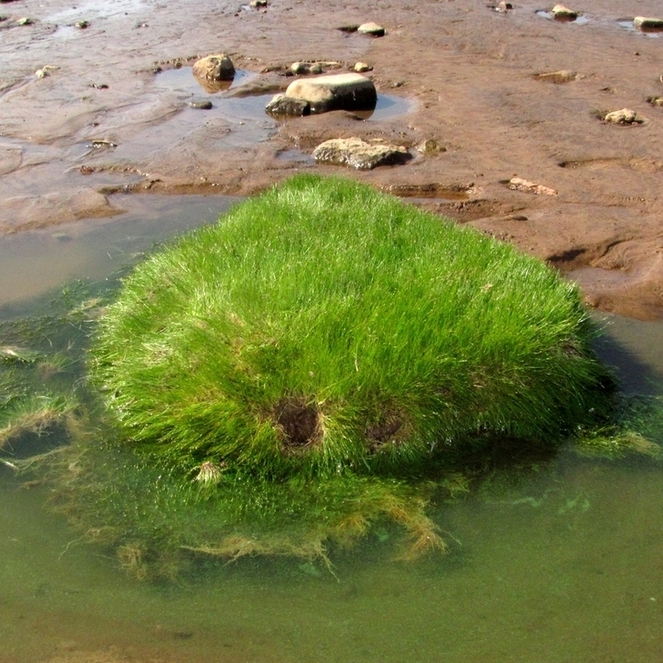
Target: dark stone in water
(205,104)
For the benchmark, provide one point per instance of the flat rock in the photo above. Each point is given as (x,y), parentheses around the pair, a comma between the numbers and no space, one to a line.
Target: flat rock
(558,77)
(519,184)
(372,29)
(359,154)
(623,116)
(213,72)
(284,105)
(646,23)
(336,92)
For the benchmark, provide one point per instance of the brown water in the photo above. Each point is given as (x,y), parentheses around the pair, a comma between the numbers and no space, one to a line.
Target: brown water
(561,566)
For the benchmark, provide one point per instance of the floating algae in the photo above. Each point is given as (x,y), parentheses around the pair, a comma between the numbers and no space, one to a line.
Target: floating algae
(321,363)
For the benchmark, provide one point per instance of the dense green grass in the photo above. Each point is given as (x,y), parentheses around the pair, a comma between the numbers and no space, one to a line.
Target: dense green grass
(323,328)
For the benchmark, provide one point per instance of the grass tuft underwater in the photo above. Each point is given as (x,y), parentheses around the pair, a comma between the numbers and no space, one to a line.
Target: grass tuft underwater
(324,361)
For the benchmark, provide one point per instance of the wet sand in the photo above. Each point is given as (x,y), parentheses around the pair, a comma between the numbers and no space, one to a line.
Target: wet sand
(467,70)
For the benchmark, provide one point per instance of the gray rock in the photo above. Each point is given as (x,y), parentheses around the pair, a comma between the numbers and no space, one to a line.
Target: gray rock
(257,4)
(372,29)
(564,13)
(283,105)
(336,92)
(212,70)
(303,68)
(645,23)
(361,67)
(359,154)
(655,101)
(623,116)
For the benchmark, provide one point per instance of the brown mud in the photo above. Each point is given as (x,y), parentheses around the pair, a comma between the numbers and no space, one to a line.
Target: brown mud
(99,120)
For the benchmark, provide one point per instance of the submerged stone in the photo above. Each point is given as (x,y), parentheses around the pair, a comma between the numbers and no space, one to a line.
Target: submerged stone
(361,67)
(205,104)
(305,68)
(558,77)
(430,146)
(214,72)
(519,184)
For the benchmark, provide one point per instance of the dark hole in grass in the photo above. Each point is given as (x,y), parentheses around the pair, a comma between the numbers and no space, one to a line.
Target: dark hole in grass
(388,431)
(299,424)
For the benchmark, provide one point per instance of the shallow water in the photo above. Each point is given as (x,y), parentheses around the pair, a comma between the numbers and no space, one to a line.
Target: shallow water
(564,568)
(561,565)
(34,263)
(253,106)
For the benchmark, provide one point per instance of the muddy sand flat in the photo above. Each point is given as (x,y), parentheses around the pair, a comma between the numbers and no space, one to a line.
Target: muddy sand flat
(84,113)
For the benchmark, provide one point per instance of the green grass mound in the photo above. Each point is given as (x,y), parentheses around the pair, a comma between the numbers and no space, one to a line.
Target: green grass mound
(309,364)
(323,328)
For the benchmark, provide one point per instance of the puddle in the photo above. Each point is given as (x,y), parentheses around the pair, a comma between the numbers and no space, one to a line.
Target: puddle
(387,107)
(579,20)
(429,193)
(295,156)
(559,564)
(182,80)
